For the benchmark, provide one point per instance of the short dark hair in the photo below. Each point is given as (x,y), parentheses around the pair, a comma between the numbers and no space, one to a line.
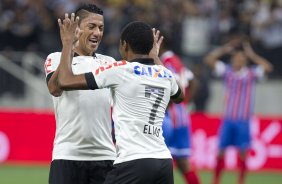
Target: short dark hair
(84,9)
(139,36)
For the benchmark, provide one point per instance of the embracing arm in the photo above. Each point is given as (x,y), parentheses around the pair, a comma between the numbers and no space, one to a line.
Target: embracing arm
(66,79)
(256,59)
(53,85)
(51,65)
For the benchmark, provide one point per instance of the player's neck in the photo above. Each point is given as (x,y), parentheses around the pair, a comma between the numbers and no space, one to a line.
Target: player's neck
(83,52)
(133,56)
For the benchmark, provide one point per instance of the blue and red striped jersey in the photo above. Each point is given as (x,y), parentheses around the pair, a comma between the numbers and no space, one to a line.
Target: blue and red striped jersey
(239,90)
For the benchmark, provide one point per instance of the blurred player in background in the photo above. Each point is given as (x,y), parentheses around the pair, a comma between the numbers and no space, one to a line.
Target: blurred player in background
(141,91)
(239,80)
(177,121)
(83,150)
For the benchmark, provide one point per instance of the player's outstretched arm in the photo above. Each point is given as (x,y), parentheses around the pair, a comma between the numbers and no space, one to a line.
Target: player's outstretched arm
(256,59)
(53,85)
(214,55)
(66,79)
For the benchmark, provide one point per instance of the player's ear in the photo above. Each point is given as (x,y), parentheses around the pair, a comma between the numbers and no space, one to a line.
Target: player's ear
(78,32)
(124,45)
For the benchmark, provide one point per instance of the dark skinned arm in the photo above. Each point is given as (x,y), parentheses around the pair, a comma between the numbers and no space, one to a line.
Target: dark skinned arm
(53,85)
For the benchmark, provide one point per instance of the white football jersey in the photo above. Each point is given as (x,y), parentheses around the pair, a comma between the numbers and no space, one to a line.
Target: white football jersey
(141,92)
(83,119)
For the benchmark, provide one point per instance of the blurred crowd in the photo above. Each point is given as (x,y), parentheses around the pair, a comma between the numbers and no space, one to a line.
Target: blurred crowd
(194,26)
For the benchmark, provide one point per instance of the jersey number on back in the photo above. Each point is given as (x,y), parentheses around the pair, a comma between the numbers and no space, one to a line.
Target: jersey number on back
(157,93)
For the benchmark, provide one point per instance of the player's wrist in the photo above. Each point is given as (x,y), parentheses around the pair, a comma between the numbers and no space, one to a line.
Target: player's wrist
(68,42)
(67,48)
(157,60)
(252,56)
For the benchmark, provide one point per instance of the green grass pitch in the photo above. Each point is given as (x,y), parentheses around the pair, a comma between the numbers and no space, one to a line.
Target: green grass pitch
(38,174)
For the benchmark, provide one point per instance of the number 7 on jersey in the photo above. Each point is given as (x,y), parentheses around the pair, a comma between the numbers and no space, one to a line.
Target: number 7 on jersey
(153,92)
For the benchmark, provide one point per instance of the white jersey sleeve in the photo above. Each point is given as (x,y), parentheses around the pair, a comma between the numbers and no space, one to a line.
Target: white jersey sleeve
(52,62)
(174,86)
(219,69)
(110,75)
(105,60)
(259,72)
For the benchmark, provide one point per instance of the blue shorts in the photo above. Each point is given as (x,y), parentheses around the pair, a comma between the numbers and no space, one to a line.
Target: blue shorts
(235,133)
(177,138)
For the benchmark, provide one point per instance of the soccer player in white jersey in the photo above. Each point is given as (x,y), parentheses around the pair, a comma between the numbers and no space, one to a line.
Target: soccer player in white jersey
(141,92)
(83,150)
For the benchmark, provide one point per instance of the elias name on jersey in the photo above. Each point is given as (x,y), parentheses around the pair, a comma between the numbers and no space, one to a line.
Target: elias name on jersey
(152,130)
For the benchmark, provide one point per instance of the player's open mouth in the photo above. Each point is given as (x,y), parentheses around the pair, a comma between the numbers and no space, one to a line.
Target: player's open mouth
(93,42)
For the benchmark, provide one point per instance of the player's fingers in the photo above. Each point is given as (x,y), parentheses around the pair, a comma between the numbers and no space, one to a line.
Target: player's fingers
(154,31)
(67,19)
(64,22)
(72,17)
(160,40)
(66,15)
(60,23)
(67,22)
(157,34)
(76,19)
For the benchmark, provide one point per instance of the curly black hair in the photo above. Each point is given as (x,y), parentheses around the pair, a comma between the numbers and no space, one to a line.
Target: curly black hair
(139,36)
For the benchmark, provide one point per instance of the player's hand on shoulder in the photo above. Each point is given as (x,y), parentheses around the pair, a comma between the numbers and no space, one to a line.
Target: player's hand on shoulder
(69,30)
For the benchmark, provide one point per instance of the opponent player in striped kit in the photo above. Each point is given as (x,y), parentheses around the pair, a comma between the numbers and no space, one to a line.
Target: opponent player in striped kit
(239,81)
(177,121)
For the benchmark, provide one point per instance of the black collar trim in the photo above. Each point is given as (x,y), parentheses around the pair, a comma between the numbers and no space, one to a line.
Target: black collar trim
(76,54)
(145,61)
